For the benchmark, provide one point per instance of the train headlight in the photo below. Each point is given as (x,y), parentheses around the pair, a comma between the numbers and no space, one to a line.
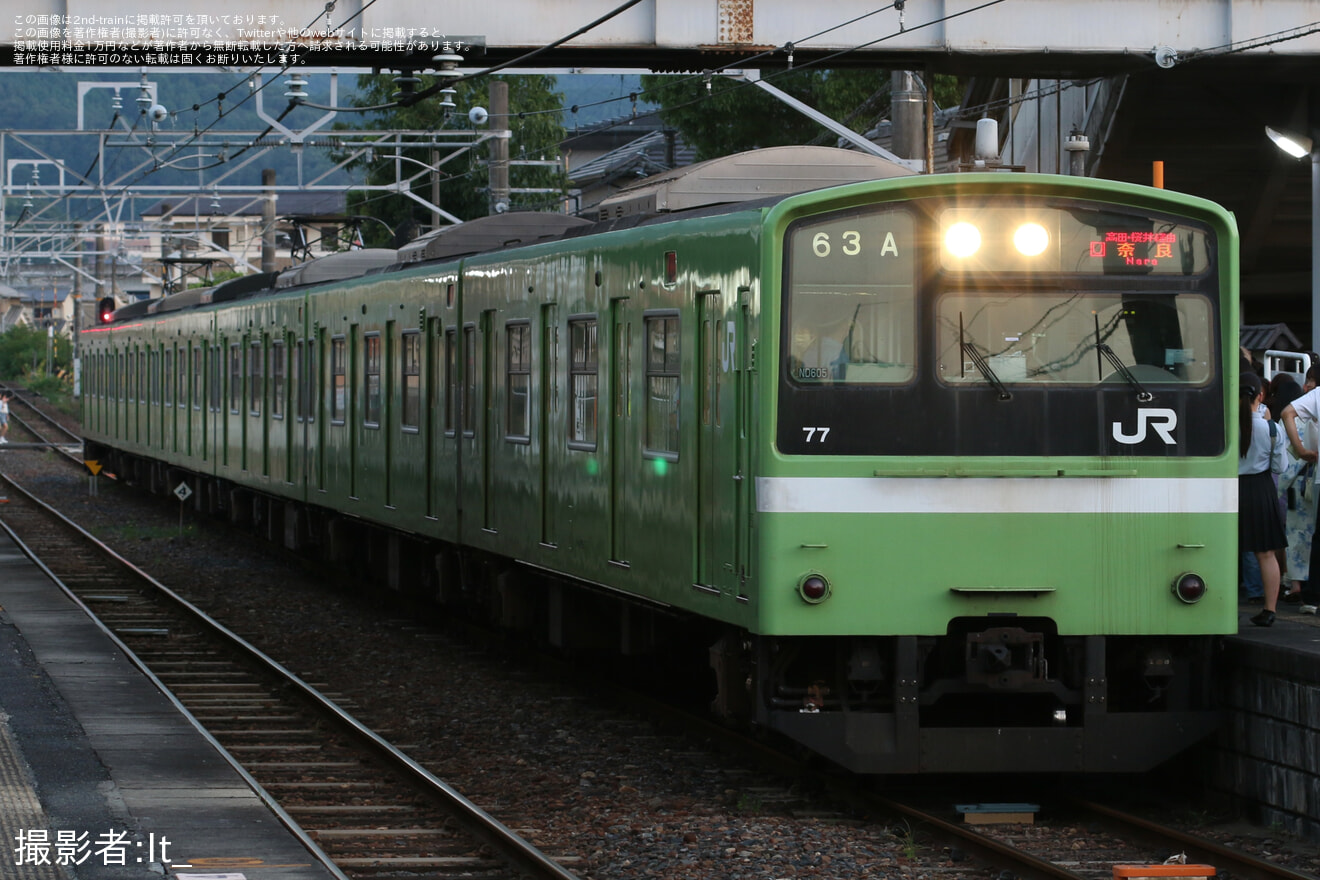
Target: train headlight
(814,589)
(1189,588)
(962,239)
(1031,239)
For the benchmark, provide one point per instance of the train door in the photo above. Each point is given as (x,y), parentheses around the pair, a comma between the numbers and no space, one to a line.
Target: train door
(717,446)
(547,406)
(196,422)
(489,415)
(620,418)
(204,401)
(433,387)
(740,359)
(298,472)
(354,370)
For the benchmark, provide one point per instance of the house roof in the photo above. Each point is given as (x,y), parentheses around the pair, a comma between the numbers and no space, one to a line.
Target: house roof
(640,157)
(39,296)
(1263,337)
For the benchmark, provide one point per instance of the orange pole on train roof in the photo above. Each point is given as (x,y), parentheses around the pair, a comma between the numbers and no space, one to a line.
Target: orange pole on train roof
(1157,174)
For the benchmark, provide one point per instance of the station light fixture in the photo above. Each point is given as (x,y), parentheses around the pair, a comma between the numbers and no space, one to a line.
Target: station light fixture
(1299,146)
(1296,145)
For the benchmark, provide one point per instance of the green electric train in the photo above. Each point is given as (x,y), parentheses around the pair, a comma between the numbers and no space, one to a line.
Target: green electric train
(929,473)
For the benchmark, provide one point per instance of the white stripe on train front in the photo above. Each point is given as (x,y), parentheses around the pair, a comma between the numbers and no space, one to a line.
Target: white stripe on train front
(994,495)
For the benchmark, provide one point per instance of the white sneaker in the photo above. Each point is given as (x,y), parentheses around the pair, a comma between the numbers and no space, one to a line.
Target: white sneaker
(1306,609)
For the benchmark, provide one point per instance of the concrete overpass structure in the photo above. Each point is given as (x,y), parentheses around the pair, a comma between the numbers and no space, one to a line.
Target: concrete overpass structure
(1018,37)
(1192,83)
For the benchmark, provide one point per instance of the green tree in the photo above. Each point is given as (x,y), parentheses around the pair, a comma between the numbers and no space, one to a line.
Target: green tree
(465,187)
(23,352)
(733,116)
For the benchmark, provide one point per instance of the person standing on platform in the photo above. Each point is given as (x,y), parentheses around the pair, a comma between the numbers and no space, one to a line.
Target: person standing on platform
(1260,522)
(1306,410)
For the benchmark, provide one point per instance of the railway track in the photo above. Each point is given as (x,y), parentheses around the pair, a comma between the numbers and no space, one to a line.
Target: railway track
(30,427)
(350,794)
(1084,841)
(1071,847)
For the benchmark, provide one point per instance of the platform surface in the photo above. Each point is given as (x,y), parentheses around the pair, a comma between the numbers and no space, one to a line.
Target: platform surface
(1290,648)
(101,775)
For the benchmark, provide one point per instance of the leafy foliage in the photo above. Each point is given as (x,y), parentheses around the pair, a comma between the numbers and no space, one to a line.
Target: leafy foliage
(735,116)
(23,353)
(465,189)
(217,278)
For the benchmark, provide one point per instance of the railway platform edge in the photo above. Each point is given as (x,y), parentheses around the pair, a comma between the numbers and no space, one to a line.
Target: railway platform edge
(99,770)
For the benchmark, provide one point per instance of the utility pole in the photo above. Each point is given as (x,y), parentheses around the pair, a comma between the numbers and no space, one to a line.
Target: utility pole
(905,113)
(435,188)
(499,150)
(268,221)
(77,309)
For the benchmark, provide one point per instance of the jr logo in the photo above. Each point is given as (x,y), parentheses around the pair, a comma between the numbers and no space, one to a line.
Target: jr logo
(1163,421)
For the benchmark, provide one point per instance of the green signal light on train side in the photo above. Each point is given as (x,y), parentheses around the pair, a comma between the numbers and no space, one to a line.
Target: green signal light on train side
(661,467)
(593,467)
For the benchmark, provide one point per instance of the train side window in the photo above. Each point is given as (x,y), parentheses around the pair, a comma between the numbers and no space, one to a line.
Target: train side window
(662,375)
(451,378)
(181,394)
(412,380)
(311,383)
(518,381)
(153,377)
(256,376)
(296,382)
(339,380)
(167,374)
(583,383)
(216,379)
(197,384)
(277,380)
(371,380)
(235,378)
(120,381)
(469,380)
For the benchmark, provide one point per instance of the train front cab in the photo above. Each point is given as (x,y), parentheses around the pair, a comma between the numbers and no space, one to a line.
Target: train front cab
(998,523)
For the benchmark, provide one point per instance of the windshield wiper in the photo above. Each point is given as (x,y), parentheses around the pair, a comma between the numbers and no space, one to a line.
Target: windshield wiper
(980,363)
(1143,396)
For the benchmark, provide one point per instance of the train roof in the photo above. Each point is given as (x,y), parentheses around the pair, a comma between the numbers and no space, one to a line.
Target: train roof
(337,267)
(487,234)
(738,182)
(756,174)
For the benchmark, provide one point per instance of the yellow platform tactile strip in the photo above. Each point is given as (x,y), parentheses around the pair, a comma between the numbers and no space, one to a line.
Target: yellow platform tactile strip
(20,815)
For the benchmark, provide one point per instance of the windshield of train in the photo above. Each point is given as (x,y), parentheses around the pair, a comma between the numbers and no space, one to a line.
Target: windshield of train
(1077,337)
(1062,293)
(852,299)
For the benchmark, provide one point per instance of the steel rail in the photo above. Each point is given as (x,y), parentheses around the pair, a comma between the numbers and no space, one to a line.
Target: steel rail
(510,846)
(1199,850)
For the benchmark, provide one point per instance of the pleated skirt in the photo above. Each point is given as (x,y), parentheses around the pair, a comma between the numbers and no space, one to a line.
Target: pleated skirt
(1260,523)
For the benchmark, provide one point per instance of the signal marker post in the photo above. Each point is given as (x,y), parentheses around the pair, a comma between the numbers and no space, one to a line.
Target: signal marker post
(94,467)
(183,493)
